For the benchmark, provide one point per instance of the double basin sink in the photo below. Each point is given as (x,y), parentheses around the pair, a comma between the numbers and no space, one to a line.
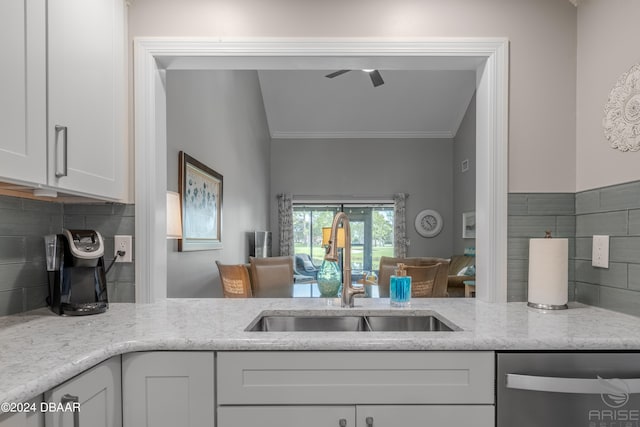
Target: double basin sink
(304,321)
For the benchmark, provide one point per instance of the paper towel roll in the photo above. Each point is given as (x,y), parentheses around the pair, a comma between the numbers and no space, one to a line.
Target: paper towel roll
(548,273)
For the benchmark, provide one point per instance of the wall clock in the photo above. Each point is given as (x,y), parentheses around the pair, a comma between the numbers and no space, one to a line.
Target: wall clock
(428,223)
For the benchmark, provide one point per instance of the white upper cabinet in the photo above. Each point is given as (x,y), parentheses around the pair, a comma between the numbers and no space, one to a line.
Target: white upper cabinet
(23,114)
(86,88)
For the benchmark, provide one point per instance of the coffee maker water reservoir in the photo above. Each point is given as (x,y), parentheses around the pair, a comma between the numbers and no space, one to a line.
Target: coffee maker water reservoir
(77,278)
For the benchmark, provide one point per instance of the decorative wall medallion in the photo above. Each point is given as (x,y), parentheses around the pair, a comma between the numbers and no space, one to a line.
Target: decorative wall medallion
(621,120)
(428,223)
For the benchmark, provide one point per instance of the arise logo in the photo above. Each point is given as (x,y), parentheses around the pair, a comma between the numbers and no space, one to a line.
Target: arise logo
(617,392)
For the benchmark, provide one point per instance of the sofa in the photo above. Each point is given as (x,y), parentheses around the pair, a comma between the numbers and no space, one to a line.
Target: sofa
(461,268)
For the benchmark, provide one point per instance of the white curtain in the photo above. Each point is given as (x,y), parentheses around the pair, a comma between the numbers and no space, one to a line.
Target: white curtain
(401,243)
(285,222)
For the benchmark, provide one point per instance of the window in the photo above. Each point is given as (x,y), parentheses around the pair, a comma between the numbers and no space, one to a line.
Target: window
(371,231)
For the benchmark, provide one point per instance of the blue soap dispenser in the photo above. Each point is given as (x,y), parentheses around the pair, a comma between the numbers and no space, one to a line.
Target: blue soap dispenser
(400,287)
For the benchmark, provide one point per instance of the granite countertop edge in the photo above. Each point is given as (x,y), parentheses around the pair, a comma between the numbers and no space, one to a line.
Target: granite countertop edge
(41,350)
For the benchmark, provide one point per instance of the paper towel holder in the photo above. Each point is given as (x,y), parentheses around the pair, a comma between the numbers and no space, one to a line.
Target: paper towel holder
(547,299)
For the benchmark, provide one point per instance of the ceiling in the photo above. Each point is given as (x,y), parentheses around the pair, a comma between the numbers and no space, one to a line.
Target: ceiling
(411,103)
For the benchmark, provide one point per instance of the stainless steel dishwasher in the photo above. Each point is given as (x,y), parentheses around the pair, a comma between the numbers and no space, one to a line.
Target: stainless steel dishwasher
(572,389)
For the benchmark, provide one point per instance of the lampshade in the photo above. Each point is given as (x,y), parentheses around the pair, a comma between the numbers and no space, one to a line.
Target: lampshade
(174,218)
(326,235)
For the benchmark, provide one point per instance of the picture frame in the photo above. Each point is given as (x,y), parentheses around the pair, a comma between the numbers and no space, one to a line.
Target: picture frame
(201,200)
(468,225)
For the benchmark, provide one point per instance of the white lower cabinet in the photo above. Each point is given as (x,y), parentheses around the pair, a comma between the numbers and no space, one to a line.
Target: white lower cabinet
(32,417)
(361,389)
(168,389)
(97,392)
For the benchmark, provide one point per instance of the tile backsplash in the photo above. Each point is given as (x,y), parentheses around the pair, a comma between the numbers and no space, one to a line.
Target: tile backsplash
(24,222)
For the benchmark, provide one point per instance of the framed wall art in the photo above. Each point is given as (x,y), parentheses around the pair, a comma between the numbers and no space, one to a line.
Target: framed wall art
(468,225)
(201,197)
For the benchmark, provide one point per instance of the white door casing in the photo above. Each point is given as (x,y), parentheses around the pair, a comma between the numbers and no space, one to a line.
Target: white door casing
(487,56)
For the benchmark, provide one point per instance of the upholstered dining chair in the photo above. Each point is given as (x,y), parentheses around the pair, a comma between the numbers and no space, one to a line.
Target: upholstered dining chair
(423,280)
(235,280)
(388,266)
(272,276)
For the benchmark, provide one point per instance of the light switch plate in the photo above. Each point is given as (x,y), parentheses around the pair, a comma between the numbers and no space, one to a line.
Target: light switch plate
(600,254)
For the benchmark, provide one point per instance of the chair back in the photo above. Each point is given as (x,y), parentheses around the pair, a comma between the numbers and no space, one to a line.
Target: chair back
(272,277)
(235,280)
(423,280)
(388,266)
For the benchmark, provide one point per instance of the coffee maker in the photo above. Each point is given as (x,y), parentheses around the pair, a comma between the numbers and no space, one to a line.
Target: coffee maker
(77,278)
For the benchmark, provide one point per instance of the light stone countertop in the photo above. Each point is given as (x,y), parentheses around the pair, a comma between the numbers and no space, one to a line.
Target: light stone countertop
(39,350)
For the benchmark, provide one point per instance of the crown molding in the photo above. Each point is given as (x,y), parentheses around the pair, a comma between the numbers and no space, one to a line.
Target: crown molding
(362,135)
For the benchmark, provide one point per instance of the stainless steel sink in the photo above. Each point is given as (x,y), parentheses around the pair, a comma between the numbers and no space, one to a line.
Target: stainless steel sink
(369,322)
(277,323)
(428,323)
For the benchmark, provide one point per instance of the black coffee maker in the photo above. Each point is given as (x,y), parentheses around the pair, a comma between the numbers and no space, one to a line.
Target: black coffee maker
(77,278)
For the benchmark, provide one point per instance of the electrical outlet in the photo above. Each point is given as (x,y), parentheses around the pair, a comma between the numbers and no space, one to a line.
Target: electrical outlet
(600,253)
(123,243)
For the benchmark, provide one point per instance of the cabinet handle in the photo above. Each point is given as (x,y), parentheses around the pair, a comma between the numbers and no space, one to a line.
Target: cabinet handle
(573,385)
(62,173)
(68,398)
(342,422)
(369,421)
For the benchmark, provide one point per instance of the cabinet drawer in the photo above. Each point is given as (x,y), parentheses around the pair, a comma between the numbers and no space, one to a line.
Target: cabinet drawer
(286,416)
(356,377)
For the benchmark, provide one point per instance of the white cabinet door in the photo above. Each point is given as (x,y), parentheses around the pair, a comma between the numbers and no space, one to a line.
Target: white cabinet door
(425,416)
(286,416)
(23,144)
(98,391)
(87,110)
(168,389)
(31,418)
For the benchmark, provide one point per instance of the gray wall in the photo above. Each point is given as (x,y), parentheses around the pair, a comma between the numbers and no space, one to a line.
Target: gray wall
(613,211)
(218,118)
(24,222)
(464,183)
(529,216)
(370,168)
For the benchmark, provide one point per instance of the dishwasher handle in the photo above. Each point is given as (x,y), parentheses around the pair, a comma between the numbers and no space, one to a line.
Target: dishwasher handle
(573,385)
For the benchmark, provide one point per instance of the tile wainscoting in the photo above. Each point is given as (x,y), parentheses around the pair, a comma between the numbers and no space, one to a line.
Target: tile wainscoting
(23,223)
(529,216)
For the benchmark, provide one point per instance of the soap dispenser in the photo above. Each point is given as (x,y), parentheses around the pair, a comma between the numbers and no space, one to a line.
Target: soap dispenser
(400,287)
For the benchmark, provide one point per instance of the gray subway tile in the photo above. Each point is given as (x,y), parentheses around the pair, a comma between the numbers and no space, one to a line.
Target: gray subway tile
(624,249)
(615,275)
(584,249)
(517,204)
(13,249)
(551,204)
(608,223)
(530,226)
(24,223)
(120,209)
(634,222)
(11,302)
(624,196)
(123,292)
(517,270)
(622,300)
(587,202)
(518,248)
(565,226)
(571,291)
(88,209)
(36,297)
(572,270)
(35,248)
(122,272)
(30,274)
(517,292)
(42,207)
(634,276)
(110,225)
(7,202)
(587,293)
(74,222)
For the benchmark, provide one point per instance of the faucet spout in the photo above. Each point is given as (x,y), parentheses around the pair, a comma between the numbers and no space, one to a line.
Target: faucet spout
(348,290)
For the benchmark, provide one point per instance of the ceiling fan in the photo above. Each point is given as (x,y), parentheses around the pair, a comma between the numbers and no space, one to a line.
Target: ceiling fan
(375,76)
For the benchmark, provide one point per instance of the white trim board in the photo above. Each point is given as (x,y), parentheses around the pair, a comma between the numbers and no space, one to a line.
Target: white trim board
(487,56)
